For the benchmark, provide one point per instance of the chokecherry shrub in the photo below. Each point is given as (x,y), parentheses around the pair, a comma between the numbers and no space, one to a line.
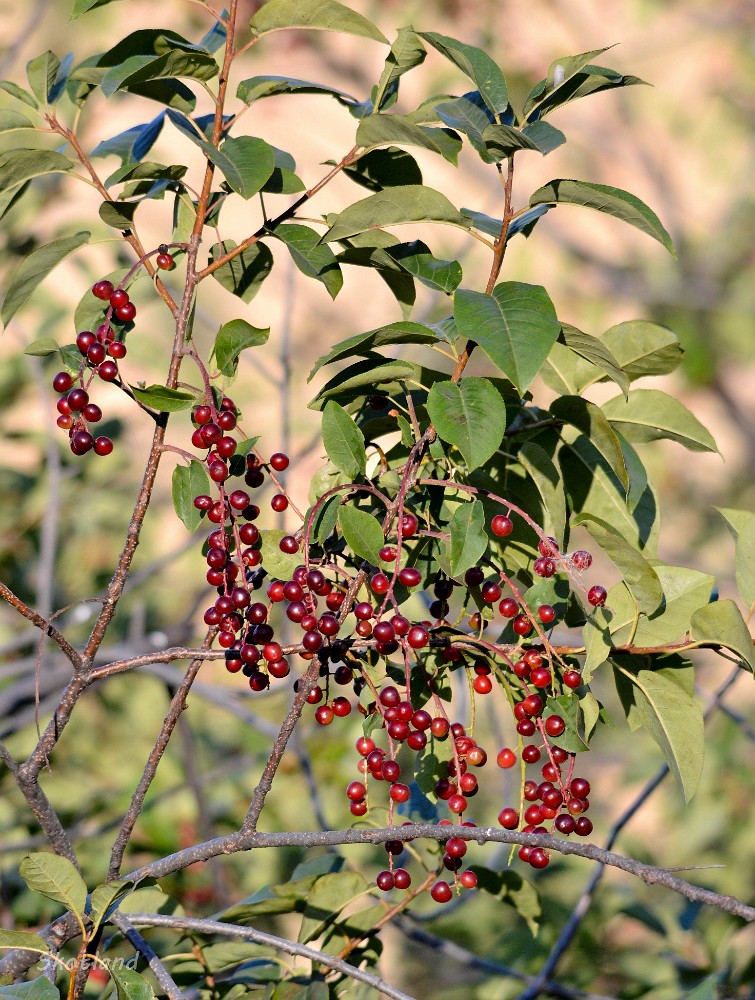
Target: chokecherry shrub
(440,564)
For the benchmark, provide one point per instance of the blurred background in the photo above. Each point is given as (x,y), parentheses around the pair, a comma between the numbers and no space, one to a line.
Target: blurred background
(684,145)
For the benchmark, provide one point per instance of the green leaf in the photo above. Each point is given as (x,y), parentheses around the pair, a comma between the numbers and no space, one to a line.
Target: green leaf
(108,894)
(243,275)
(504,141)
(545,136)
(42,348)
(649,415)
(371,372)
(468,114)
(406,53)
(362,344)
(569,708)
(312,257)
(512,889)
(675,722)
(130,985)
(257,87)
(56,878)
(590,420)
(393,207)
(118,214)
(549,90)
(189,481)
(516,327)
(279,565)
(609,200)
(475,64)
(547,480)
(194,65)
(19,93)
(722,623)
(637,573)
(468,539)
(328,896)
(597,354)
(363,533)
(35,268)
(343,440)
(42,72)
(233,338)
(685,591)
(246,163)
(417,260)
(392,130)
(19,165)
(82,6)
(12,120)
(642,348)
(392,167)
(34,989)
(470,415)
(162,399)
(745,563)
(322,15)
(23,939)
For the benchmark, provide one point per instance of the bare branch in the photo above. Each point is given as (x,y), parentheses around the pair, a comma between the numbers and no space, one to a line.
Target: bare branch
(126,927)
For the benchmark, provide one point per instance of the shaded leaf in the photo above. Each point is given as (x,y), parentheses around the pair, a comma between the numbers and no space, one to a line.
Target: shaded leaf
(362,344)
(649,415)
(130,985)
(343,440)
(23,939)
(42,348)
(685,591)
(722,623)
(34,269)
(393,207)
(310,256)
(189,481)
(279,565)
(19,165)
(512,889)
(243,275)
(391,130)
(328,896)
(56,878)
(597,354)
(392,167)
(675,722)
(556,84)
(118,214)
(592,422)
(323,15)
(504,141)
(636,572)
(643,348)
(42,72)
(516,327)
(82,6)
(469,114)
(545,136)
(194,65)
(133,144)
(475,64)
(417,260)
(18,92)
(609,200)
(468,539)
(371,372)
(470,415)
(34,989)
(406,53)
(165,400)
(233,338)
(363,533)
(12,120)
(257,87)
(547,480)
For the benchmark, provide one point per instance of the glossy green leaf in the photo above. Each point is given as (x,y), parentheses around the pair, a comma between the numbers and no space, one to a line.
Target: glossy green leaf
(395,130)
(393,207)
(233,338)
(19,93)
(470,415)
(189,481)
(516,327)
(130,985)
(416,259)
(590,420)
(312,258)
(328,896)
(609,200)
(35,268)
(504,140)
(33,989)
(643,348)
(547,479)
(257,87)
(560,73)
(636,572)
(392,167)
(649,415)
(475,64)
(468,539)
(722,623)
(363,533)
(371,372)
(322,15)
(55,877)
(674,720)
(162,399)
(19,165)
(343,440)
(279,565)
(685,591)
(362,344)
(406,53)
(243,275)
(12,120)
(23,939)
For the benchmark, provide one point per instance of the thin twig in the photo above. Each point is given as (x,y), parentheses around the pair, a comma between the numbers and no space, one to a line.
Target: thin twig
(126,926)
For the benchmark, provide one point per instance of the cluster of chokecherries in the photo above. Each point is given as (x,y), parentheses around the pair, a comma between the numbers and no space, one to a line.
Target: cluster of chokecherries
(344,627)
(101,351)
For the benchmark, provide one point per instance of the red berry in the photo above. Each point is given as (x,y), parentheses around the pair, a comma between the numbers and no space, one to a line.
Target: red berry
(581,559)
(84,340)
(380,583)
(103,445)
(418,636)
(288,544)
(508,607)
(441,892)
(508,818)
(119,298)
(501,525)
(554,725)
(385,881)
(81,442)
(279,503)
(164,261)
(108,371)
(482,684)
(522,625)
(102,289)
(62,382)
(401,878)
(546,614)
(409,576)
(597,596)
(116,349)
(572,678)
